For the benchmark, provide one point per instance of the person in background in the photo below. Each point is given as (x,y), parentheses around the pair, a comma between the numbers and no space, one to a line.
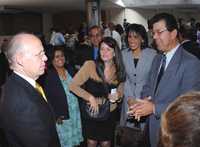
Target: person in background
(125,24)
(111,32)
(57,38)
(4,73)
(138,60)
(64,104)
(25,114)
(4,66)
(180,123)
(198,32)
(83,51)
(174,72)
(95,37)
(186,34)
(108,69)
(122,33)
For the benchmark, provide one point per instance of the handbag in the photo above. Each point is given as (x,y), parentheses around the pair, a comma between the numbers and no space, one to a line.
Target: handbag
(102,114)
(131,137)
(104,105)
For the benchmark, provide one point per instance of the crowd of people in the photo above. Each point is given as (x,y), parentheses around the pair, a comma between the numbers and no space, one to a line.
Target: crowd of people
(79,92)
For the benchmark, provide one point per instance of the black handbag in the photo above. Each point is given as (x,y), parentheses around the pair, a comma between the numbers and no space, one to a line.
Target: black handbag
(131,136)
(102,114)
(104,107)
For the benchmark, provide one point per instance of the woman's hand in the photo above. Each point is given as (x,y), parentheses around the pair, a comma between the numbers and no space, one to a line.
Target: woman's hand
(60,120)
(94,108)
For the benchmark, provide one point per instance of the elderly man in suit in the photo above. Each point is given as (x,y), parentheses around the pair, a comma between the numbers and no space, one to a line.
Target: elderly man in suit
(25,114)
(173,73)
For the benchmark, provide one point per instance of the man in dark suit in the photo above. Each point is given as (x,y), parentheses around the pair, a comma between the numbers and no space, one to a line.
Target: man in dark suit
(25,115)
(188,42)
(173,73)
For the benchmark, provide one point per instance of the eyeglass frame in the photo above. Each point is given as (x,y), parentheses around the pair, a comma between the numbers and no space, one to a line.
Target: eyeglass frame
(159,32)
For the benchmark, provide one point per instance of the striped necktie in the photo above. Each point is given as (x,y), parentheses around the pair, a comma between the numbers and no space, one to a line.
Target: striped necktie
(161,71)
(40,90)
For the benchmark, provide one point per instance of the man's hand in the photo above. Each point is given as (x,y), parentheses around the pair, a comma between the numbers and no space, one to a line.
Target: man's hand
(142,108)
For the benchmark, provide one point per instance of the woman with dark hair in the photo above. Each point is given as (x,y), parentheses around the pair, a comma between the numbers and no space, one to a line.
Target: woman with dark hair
(137,60)
(180,123)
(103,80)
(64,104)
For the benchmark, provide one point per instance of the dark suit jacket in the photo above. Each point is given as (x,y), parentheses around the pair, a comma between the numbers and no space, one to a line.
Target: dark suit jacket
(55,93)
(26,117)
(83,52)
(192,47)
(181,76)
(4,69)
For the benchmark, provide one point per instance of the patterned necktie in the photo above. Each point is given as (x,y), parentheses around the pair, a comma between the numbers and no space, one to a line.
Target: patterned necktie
(161,71)
(40,90)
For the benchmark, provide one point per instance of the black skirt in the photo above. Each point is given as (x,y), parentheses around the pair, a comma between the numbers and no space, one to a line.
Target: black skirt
(100,130)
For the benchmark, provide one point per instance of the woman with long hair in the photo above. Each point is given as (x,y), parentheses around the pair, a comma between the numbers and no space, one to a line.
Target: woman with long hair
(103,80)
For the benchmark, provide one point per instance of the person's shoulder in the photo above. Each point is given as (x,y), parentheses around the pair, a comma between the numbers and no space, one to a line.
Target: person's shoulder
(14,87)
(125,51)
(89,64)
(150,51)
(189,58)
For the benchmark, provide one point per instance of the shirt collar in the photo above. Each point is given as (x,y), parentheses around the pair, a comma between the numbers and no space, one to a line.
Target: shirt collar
(29,80)
(170,54)
(185,41)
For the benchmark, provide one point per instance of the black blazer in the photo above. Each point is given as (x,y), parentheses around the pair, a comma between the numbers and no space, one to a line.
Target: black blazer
(83,53)
(55,93)
(192,47)
(26,117)
(4,69)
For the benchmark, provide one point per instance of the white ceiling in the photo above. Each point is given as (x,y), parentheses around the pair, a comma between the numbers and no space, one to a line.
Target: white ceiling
(66,5)
(159,3)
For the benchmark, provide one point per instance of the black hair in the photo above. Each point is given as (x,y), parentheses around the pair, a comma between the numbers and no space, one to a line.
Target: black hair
(170,20)
(95,27)
(52,54)
(140,30)
(187,32)
(119,29)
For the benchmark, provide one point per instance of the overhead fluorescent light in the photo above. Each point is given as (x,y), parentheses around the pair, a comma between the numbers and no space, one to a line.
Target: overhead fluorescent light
(120,3)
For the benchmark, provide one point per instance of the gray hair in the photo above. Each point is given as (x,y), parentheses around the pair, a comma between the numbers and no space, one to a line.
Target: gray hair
(15,45)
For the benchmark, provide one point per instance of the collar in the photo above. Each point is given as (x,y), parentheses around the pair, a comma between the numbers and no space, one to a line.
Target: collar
(185,41)
(170,54)
(29,80)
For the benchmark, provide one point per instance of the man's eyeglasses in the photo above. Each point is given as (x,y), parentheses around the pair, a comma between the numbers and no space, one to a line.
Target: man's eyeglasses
(159,32)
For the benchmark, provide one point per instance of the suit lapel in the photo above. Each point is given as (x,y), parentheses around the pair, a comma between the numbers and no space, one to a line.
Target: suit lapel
(34,94)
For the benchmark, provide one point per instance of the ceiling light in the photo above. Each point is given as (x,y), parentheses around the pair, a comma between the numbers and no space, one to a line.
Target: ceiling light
(120,2)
